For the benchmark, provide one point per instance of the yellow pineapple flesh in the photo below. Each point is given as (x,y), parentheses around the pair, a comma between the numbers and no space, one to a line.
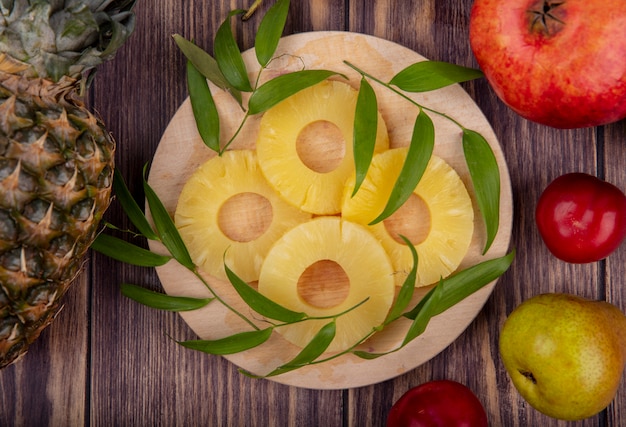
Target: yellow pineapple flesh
(305,145)
(438,219)
(227,212)
(319,255)
(297,274)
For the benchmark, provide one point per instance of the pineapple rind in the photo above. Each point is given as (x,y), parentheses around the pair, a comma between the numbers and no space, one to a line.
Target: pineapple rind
(315,192)
(56,166)
(451,216)
(56,158)
(361,256)
(197,215)
(57,39)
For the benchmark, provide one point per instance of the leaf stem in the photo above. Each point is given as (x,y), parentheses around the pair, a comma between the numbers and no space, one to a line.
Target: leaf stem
(232,138)
(108,225)
(403,95)
(245,117)
(251,10)
(349,349)
(221,300)
(330,316)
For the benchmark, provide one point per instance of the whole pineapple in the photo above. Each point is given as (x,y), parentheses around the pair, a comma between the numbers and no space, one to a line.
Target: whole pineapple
(56,158)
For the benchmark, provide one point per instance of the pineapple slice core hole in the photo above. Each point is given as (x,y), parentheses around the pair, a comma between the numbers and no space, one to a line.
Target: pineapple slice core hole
(412,221)
(245,217)
(324,284)
(321,146)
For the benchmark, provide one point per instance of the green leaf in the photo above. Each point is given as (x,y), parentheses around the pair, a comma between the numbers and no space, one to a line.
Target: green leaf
(117,35)
(312,351)
(162,301)
(130,206)
(422,317)
(402,301)
(464,283)
(204,109)
(259,302)
(365,128)
(206,65)
(430,75)
(406,291)
(367,355)
(418,156)
(228,56)
(126,252)
(232,344)
(446,294)
(282,87)
(270,30)
(485,175)
(166,228)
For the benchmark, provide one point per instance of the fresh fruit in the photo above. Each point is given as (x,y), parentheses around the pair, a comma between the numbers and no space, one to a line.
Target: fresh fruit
(305,145)
(565,354)
(318,268)
(228,213)
(581,218)
(558,63)
(441,403)
(56,164)
(438,219)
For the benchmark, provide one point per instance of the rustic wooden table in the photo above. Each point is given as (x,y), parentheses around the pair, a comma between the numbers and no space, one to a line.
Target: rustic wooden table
(109,361)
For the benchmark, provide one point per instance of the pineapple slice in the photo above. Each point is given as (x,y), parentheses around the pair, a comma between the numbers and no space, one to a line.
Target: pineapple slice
(305,145)
(438,218)
(227,207)
(323,267)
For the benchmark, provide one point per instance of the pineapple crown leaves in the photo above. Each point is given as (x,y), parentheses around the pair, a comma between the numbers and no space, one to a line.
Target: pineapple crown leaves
(57,38)
(225,72)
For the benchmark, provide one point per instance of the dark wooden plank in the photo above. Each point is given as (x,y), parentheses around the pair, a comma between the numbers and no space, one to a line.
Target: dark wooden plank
(614,159)
(139,375)
(536,155)
(109,361)
(48,385)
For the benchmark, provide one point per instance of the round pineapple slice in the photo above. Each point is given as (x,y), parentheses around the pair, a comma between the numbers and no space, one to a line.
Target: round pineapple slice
(438,218)
(227,212)
(305,145)
(323,267)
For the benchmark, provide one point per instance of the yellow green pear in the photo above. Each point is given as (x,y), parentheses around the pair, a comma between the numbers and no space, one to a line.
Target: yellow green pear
(565,354)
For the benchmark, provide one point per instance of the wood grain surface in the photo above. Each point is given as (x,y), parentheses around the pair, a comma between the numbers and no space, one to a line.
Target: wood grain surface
(109,361)
(181,151)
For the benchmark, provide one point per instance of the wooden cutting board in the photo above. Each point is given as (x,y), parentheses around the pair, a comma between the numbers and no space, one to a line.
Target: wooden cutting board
(181,151)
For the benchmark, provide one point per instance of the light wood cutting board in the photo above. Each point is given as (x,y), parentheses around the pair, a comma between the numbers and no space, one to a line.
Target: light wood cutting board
(181,151)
